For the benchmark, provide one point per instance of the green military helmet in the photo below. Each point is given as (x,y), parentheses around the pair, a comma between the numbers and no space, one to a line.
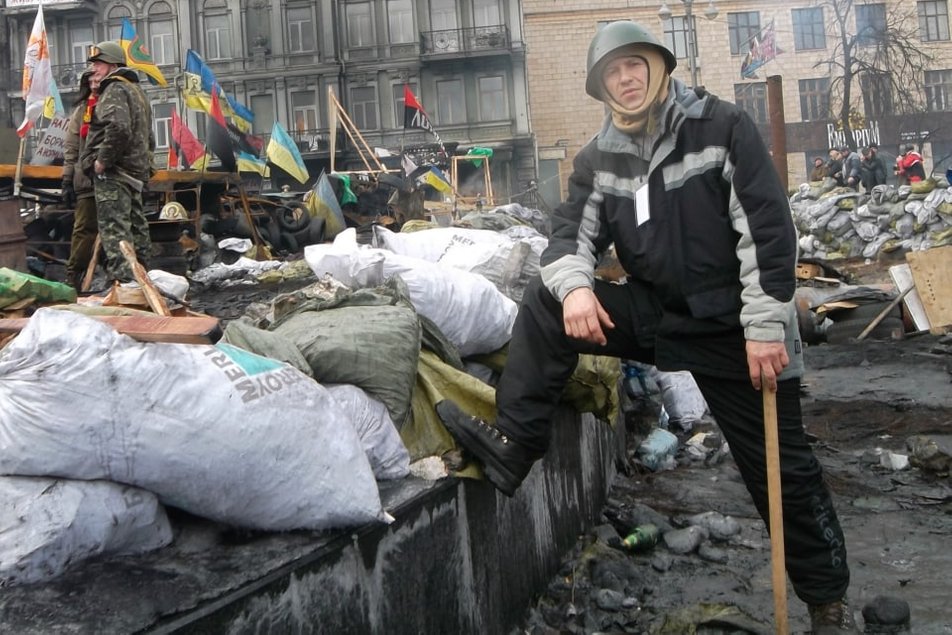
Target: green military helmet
(108,52)
(613,36)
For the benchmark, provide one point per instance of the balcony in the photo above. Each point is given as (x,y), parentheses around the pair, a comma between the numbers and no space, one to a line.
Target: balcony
(465,42)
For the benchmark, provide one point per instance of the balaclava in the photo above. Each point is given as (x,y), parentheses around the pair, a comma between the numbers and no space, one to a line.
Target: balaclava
(634,121)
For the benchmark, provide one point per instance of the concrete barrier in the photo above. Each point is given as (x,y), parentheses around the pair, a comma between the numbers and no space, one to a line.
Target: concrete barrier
(460,558)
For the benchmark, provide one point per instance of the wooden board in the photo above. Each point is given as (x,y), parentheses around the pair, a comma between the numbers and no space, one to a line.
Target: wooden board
(932,273)
(146,328)
(902,277)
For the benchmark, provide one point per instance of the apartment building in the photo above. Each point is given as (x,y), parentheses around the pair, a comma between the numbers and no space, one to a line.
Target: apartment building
(463,59)
(806,36)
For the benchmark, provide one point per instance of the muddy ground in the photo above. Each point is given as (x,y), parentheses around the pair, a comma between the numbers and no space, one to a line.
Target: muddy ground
(859,400)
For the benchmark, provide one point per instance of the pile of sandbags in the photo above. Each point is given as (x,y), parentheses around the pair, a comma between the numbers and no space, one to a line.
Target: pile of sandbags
(838,222)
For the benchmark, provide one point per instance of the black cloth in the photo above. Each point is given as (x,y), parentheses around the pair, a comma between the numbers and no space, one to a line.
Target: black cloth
(542,358)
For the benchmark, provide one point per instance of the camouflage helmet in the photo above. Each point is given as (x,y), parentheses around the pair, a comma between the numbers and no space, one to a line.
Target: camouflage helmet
(614,36)
(108,52)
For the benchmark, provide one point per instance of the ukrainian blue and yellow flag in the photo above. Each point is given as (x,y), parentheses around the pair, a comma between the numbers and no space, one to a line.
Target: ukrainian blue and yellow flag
(137,56)
(200,82)
(283,152)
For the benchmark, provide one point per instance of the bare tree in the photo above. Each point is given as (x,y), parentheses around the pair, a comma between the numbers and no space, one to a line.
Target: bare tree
(887,55)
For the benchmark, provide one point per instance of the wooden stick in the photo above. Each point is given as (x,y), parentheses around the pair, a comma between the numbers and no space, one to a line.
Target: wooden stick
(882,315)
(775,504)
(19,168)
(152,295)
(91,267)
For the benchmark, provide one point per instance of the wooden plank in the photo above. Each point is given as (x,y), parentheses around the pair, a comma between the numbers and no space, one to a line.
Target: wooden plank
(160,178)
(152,295)
(902,277)
(146,328)
(932,273)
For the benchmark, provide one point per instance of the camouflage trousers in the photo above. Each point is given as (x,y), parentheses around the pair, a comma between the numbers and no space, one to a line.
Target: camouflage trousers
(83,238)
(120,215)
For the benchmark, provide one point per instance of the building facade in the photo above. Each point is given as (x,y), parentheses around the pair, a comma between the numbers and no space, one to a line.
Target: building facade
(807,38)
(463,59)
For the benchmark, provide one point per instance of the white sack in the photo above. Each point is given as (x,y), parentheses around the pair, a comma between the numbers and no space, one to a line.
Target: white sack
(388,456)
(48,525)
(466,307)
(214,430)
(681,397)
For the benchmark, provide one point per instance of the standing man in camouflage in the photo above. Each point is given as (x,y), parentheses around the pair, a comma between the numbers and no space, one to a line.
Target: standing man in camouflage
(118,157)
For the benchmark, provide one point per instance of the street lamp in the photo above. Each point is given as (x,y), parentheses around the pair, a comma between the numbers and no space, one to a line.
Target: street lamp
(710,13)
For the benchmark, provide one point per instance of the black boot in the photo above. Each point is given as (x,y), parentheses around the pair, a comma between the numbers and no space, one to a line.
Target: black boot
(505,462)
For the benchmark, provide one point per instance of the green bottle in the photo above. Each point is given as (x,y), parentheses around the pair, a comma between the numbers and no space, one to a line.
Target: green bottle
(642,538)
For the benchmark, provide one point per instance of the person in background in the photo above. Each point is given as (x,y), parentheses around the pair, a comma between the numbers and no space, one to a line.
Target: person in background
(818,173)
(681,183)
(909,165)
(851,167)
(834,167)
(77,188)
(872,167)
(118,155)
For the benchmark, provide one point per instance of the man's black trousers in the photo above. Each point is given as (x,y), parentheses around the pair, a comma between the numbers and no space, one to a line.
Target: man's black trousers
(542,358)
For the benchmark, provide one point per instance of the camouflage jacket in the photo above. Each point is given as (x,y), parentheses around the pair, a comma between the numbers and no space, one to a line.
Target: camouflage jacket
(73,149)
(120,133)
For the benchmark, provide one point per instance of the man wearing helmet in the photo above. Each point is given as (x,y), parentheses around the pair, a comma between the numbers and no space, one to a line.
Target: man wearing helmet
(118,157)
(682,185)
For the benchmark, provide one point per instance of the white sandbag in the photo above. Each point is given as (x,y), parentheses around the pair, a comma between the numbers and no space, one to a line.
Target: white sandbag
(385,450)
(681,397)
(474,315)
(215,430)
(50,524)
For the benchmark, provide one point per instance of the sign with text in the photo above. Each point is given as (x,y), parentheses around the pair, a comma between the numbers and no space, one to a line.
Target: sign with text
(862,137)
(52,144)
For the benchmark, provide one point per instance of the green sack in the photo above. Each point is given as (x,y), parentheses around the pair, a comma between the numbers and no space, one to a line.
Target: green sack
(16,286)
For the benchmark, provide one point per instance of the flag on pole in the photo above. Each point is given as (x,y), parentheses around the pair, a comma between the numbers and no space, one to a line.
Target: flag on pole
(435,178)
(189,149)
(137,56)
(172,162)
(283,152)
(763,48)
(37,74)
(218,140)
(200,85)
(250,163)
(415,117)
(54,103)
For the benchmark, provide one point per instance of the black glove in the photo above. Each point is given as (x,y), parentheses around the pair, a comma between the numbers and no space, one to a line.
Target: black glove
(68,194)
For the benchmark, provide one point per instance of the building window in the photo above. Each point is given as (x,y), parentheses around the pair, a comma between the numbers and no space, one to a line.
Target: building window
(162,124)
(364,107)
(870,23)
(360,27)
(938,90)
(809,32)
(400,19)
(162,41)
(399,104)
(263,108)
(451,107)
(934,20)
(80,39)
(877,94)
(443,15)
(493,105)
(815,99)
(752,98)
(300,30)
(303,111)
(486,13)
(742,28)
(114,28)
(217,37)
(677,36)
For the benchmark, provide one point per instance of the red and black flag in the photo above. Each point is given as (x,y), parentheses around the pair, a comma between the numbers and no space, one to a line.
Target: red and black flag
(414,116)
(219,141)
(189,150)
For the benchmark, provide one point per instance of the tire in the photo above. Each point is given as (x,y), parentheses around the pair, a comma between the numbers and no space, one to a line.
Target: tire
(844,331)
(288,243)
(293,218)
(868,312)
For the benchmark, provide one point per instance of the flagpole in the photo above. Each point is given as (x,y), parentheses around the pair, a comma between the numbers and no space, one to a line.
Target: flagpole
(19,168)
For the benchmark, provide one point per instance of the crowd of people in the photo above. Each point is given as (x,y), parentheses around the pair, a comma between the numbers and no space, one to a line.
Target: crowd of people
(851,169)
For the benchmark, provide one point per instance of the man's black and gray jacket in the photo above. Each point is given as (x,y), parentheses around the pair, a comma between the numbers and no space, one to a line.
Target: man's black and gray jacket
(698,212)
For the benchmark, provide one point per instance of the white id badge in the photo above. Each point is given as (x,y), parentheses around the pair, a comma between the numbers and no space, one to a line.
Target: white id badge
(641,205)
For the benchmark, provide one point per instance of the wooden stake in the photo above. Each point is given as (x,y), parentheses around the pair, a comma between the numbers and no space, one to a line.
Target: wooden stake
(91,268)
(882,314)
(152,295)
(775,503)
